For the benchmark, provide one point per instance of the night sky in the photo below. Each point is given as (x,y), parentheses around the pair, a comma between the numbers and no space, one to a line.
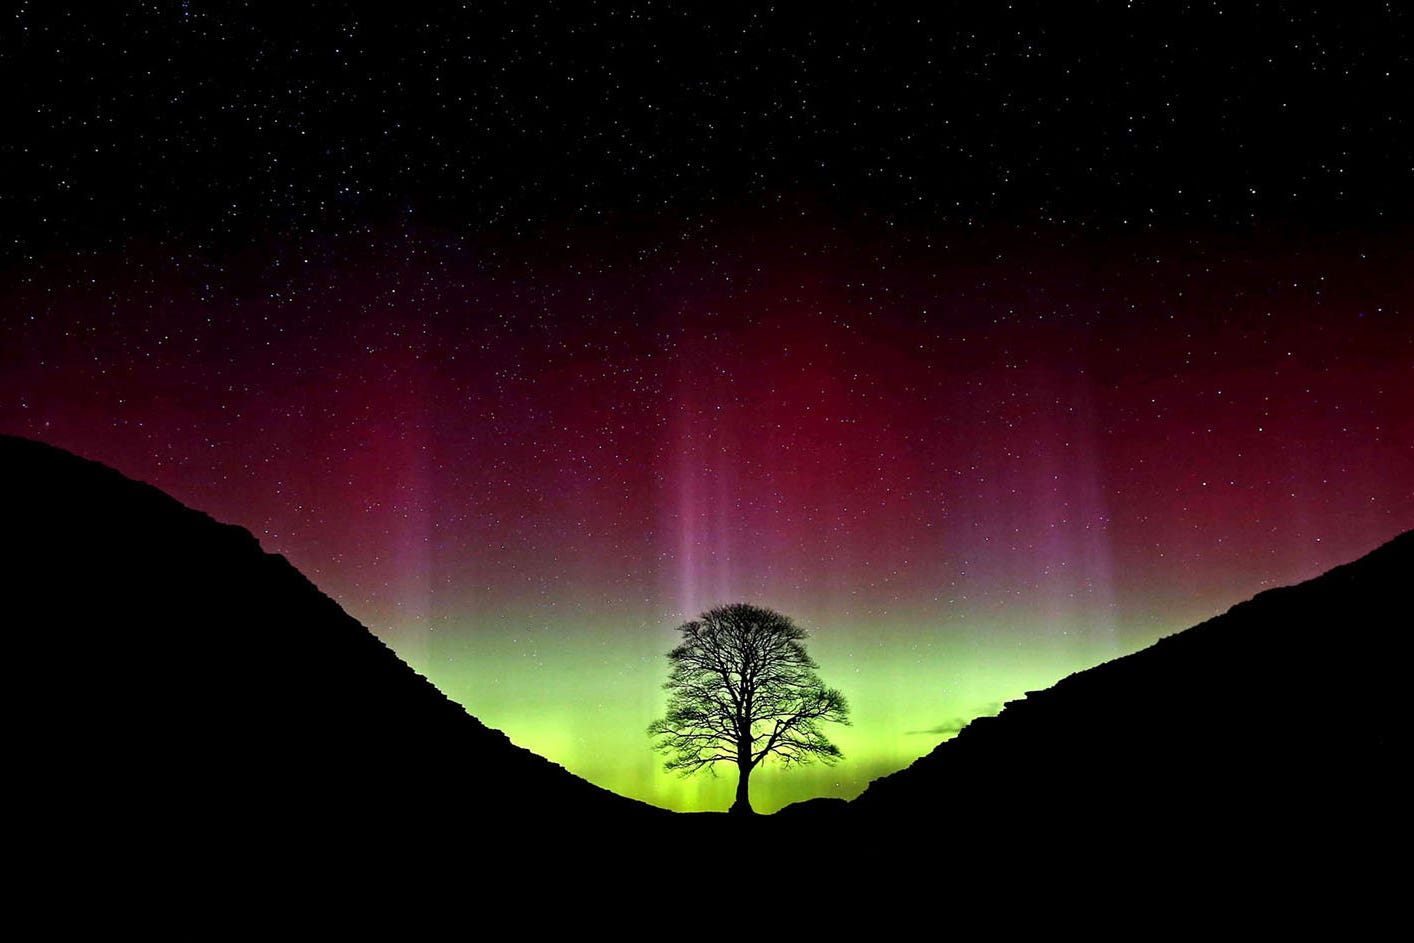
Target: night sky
(988,344)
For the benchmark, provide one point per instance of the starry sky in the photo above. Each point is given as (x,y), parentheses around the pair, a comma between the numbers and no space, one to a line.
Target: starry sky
(988,343)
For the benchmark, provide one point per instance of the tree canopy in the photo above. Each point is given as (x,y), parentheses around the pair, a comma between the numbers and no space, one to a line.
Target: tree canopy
(743,689)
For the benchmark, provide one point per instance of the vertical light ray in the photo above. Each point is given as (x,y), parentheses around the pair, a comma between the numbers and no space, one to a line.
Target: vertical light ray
(686,520)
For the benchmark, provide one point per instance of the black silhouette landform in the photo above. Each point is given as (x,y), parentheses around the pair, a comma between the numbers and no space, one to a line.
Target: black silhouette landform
(1283,716)
(179,688)
(188,688)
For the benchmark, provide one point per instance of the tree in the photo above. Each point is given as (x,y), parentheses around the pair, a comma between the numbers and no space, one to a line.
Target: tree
(741,689)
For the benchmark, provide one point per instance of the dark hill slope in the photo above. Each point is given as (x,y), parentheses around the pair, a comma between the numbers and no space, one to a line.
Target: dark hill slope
(1286,713)
(175,679)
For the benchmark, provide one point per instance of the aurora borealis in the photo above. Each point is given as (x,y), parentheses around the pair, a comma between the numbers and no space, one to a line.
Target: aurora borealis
(973,430)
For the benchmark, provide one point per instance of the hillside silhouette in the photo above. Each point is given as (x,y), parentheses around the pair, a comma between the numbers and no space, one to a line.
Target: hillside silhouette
(174,687)
(1281,720)
(181,685)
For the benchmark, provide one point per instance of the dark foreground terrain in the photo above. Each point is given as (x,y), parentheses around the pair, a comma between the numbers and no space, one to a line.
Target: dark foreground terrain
(190,710)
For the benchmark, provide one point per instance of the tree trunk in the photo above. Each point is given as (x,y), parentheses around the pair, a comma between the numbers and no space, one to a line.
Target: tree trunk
(742,805)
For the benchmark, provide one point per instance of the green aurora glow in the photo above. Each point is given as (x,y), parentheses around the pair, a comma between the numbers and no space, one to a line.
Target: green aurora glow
(583,694)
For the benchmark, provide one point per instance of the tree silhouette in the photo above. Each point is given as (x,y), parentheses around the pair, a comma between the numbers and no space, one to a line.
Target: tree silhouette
(742,688)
